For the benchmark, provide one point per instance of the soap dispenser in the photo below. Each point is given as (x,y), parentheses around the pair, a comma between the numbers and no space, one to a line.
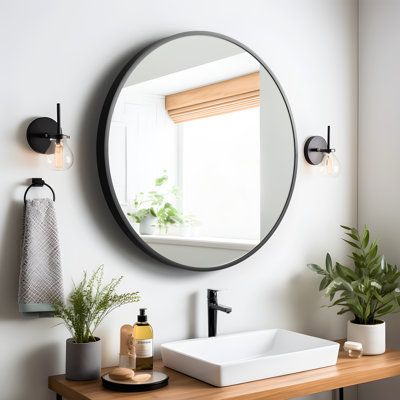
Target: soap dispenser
(143,337)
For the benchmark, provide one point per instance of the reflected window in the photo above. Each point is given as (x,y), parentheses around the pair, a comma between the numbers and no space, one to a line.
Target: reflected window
(219,174)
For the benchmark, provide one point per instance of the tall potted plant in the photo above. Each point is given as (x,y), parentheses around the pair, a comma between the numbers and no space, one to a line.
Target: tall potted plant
(87,306)
(369,289)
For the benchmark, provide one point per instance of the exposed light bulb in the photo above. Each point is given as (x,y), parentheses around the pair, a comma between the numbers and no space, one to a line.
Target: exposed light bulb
(330,165)
(59,156)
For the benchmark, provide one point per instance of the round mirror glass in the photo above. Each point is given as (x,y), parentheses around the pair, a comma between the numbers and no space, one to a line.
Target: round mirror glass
(197,151)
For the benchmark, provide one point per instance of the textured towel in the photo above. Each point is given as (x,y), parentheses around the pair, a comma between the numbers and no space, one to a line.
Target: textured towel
(40,279)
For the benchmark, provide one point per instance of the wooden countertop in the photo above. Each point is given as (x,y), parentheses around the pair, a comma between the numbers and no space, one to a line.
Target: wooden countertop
(347,372)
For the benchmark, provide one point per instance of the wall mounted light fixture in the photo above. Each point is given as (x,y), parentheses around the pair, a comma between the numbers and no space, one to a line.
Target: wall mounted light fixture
(318,151)
(45,136)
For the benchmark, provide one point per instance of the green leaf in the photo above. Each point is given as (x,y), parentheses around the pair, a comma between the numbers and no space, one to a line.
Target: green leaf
(372,251)
(341,301)
(385,310)
(390,288)
(367,311)
(316,268)
(365,239)
(376,285)
(345,227)
(324,283)
(331,288)
(345,272)
(352,244)
(328,263)
(383,263)
(162,179)
(352,235)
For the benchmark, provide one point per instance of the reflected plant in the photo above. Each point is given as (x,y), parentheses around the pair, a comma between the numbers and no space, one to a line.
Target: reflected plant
(370,289)
(168,215)
(143,206)
(157,203)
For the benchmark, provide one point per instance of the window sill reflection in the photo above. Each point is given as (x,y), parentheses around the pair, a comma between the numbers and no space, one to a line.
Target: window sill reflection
(219,243)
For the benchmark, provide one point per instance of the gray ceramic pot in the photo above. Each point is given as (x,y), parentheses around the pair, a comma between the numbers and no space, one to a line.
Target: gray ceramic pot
(83,360)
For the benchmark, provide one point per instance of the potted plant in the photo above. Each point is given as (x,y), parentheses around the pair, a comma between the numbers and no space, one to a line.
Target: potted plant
(155,208)
(369,290)
(87,306)
(146,217)
(168,215)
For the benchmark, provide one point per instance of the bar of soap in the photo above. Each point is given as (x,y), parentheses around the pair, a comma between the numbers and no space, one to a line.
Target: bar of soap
(141,378)
(121,374)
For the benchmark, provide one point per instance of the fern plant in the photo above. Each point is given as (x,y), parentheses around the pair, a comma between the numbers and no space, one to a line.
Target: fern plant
(370,289)
(89,303)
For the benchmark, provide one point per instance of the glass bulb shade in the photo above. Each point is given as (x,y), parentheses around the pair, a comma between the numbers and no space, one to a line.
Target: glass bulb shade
(59,156)
(330,165)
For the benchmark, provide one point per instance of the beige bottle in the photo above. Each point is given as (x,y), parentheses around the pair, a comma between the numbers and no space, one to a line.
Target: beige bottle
(126,351)
(143,339)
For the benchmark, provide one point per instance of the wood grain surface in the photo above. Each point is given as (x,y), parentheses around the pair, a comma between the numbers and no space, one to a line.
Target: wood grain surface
(347,372)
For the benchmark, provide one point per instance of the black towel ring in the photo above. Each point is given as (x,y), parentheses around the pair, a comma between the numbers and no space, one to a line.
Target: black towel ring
(39,182)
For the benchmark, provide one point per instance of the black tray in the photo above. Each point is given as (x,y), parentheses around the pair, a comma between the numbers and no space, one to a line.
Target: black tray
(157,381)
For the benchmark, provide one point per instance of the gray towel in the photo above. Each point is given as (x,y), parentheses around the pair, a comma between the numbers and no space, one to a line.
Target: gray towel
(40,279)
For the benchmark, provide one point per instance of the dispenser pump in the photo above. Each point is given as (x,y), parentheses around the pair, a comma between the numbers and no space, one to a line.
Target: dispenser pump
(142,317)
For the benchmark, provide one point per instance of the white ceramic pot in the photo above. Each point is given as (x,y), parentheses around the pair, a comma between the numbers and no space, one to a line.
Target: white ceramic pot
(372,337)
(148,225)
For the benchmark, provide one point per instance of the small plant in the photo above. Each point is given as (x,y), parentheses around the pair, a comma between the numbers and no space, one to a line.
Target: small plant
(142,213)
(89,303)
(370,289)
(157,203)
(168,215)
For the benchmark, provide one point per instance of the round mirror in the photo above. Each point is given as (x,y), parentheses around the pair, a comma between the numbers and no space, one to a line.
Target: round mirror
(197,151)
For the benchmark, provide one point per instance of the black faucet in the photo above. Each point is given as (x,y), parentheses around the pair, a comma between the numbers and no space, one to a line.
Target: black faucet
(213,308)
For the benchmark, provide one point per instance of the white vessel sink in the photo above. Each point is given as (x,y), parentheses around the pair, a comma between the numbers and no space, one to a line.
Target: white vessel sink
(243,357)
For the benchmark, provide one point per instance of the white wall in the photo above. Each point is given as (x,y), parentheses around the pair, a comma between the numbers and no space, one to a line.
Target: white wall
(70,51)
(379,172)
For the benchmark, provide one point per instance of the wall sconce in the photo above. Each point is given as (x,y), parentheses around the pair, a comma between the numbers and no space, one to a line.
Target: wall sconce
(318,151)
(45,136)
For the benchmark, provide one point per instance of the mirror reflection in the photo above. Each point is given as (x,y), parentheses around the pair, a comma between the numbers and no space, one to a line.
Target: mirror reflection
(201,151)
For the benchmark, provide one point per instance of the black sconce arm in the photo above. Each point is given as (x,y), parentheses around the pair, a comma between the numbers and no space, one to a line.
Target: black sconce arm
(57,136)
(315,148)
(42,130)
(328,148)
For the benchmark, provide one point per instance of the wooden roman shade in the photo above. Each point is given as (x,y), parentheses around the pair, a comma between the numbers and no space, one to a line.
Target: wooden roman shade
(218,98)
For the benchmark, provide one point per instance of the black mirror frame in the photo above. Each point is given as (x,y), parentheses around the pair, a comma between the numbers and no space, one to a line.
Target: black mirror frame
(103,161)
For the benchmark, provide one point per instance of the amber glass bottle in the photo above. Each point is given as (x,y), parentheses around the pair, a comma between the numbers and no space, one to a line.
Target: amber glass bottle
(143,339)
